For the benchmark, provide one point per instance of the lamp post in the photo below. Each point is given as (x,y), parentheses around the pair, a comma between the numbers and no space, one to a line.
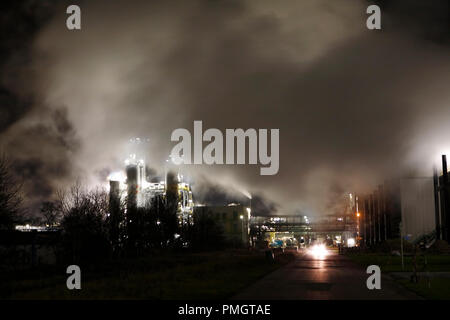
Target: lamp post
(358,215)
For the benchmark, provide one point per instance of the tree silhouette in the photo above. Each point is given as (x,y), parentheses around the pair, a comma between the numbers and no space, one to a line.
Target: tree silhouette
(84,227)
(116,222)
(10,197)
(50,213)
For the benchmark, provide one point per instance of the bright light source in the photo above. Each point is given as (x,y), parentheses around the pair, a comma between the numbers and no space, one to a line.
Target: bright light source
(351,242)
(249,210)
(241,216)
(318,251)
(358,214)
(117,176)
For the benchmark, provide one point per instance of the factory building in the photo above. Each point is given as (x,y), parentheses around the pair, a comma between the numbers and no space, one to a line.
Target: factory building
(408,207)
(136,189)
(398,208)
(233,218)
(380,213)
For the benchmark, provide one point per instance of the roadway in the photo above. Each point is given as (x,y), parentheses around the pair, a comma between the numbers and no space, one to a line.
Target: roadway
(317,278)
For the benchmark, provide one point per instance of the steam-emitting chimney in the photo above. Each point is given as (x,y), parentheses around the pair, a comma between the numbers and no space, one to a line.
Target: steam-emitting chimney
(436,203)
(132,186)
(114,213)
(446,207)
(114,196)
(444,168)
(114,190)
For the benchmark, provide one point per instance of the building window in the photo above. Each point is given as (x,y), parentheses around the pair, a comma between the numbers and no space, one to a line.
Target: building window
(235,215)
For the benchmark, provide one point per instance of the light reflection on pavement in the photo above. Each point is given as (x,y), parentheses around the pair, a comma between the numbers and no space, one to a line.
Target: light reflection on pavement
(330,276)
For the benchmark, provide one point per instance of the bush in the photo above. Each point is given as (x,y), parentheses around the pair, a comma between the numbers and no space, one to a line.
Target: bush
(84,227)
(10,196)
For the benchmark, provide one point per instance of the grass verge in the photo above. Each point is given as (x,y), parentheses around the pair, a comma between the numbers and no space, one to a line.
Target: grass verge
(390,263)
(434,288)
(217,275)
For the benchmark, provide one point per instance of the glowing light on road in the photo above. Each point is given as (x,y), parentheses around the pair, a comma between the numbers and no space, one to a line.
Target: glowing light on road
(318,251)
(351,242)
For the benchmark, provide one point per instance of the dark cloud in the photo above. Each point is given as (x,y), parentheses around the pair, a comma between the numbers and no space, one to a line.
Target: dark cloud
(12,108)
(19,23)
(42,155)
(429,20)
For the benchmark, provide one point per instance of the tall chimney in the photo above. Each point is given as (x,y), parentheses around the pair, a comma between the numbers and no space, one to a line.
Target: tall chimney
(444,168)
(114,190)
(114,214)
(436,203)
(132,186)
(446,208)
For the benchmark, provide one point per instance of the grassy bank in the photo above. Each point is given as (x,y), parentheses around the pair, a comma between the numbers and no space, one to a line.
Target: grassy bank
(215,275)
(390,263)
(435,287)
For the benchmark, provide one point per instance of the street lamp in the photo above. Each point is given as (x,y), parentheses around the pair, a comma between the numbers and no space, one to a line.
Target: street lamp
(358,215)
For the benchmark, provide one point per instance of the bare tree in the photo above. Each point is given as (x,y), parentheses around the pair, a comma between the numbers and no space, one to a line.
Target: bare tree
(50,213)
(84,225)
(10,197)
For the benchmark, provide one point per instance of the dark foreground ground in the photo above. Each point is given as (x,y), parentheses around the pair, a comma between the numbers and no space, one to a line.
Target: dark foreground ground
(235,274)
(331,277)
(433,271)
(217,275)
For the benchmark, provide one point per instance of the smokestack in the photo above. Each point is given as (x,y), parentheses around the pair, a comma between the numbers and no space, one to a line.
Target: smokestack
(114,213)
(141,179)
(114,196)
(172,182)
(114,189)
(444,188)
(132,186)
(444,168)
(436,202)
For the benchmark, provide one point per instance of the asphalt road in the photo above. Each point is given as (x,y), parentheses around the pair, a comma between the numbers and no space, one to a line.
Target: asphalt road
(333,277)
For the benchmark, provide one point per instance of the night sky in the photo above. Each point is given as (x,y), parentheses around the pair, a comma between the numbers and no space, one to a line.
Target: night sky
(354,106)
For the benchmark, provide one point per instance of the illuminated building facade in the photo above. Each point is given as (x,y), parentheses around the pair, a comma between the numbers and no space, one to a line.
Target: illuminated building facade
(140,192)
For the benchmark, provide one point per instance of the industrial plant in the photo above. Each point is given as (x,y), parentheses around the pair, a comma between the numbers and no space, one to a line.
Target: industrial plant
(138,191)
